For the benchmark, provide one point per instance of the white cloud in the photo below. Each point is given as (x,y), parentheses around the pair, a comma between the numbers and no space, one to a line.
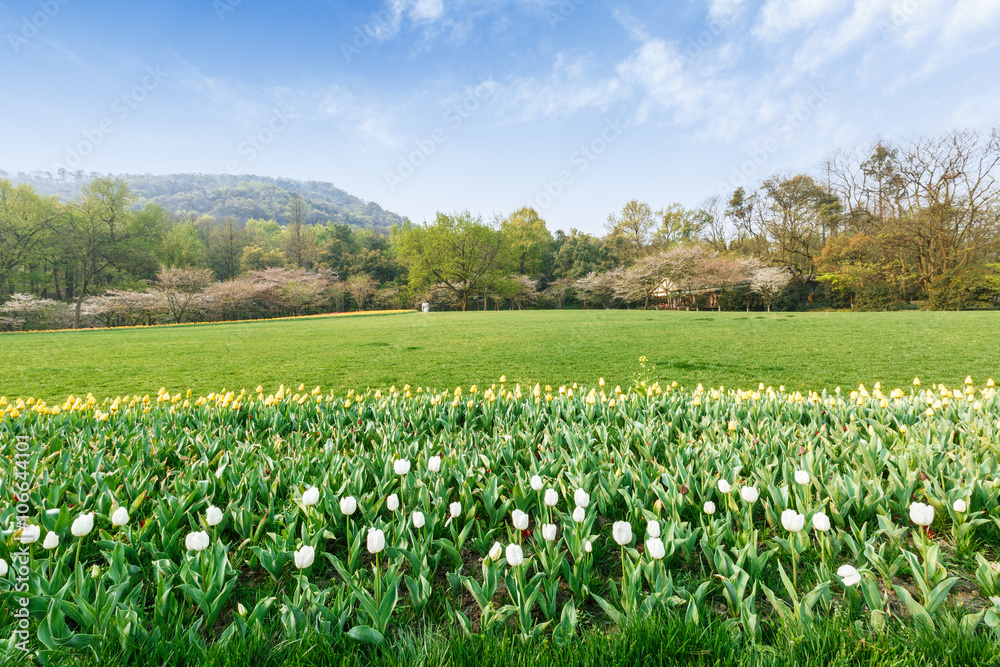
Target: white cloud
(725,10)
(427,10)
(778,17)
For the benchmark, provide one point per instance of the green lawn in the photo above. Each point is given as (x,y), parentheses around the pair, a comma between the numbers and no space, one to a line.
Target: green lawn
(799,350)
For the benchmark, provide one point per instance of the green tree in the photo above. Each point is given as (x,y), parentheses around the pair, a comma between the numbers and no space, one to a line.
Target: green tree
(225,248)
(630,230)
(457,251)
(25,218)
(529,240)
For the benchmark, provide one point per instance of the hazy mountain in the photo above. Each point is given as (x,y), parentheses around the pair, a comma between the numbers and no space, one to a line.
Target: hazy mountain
(223,195)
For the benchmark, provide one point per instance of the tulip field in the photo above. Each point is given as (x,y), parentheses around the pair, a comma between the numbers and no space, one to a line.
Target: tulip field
(520,520)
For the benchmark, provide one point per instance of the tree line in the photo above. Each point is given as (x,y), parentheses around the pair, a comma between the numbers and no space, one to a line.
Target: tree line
(906,224)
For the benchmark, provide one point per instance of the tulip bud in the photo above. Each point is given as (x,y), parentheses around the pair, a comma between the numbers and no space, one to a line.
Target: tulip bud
(749,494)
(197,541)
(348,505)
(418,519)
(801,477)
(95,572)
(959,506)
(241,610)
(579,514)
(622,532)
(548,532)
(83,525)
(921,514)
(536,483)
(588,547)
(4,568)
(51,541)
(304,557)
(120,517)
(434,464)
(519,519)
(495,551)
(514,555)
(455,509)
(30,533)
(821,522)
(724,486)
(581,498)
(392,503)
(376,540)
(849,575)
(655,548)
(213,516)
(792,520)
(551,497)
(311,496)
(653,528)
(709,507)
(401,466)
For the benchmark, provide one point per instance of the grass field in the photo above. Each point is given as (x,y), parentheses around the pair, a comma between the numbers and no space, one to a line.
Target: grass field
(800,350)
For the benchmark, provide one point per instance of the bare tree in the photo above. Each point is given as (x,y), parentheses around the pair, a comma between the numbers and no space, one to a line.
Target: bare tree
(182,290)
(361,288)
(559,290)
(770,282)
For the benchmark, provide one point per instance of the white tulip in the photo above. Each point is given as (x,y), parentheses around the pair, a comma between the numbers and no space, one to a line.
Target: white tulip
(959,506)
(548,531)
(792,520)
(376,540)
(749,494)
(304,557)
(921,514)
(849,575)
(120,517)
(348,505)
(588,547)
(653,528)
(655,548)
(434,464)
(579,514)
(311,496)
(622,532)
(213,516)
(802,477)
(536,483)
(4,569)
(581,498)
(455,509)
(520,520)
(401,466)
(821,522)
(551,497)
(709,507)
(83,525)
(197,541)
(495,551)
(418,519)
(30,533)
(392,503)
(724,486)
(514,555)
(51,541)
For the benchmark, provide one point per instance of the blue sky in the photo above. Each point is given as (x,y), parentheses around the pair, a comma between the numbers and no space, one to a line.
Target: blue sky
(572,106)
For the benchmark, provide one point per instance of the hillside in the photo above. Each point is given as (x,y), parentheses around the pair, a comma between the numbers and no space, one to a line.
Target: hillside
(223,195)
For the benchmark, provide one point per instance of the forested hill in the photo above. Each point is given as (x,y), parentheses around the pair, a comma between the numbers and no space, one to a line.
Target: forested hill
(223,195)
